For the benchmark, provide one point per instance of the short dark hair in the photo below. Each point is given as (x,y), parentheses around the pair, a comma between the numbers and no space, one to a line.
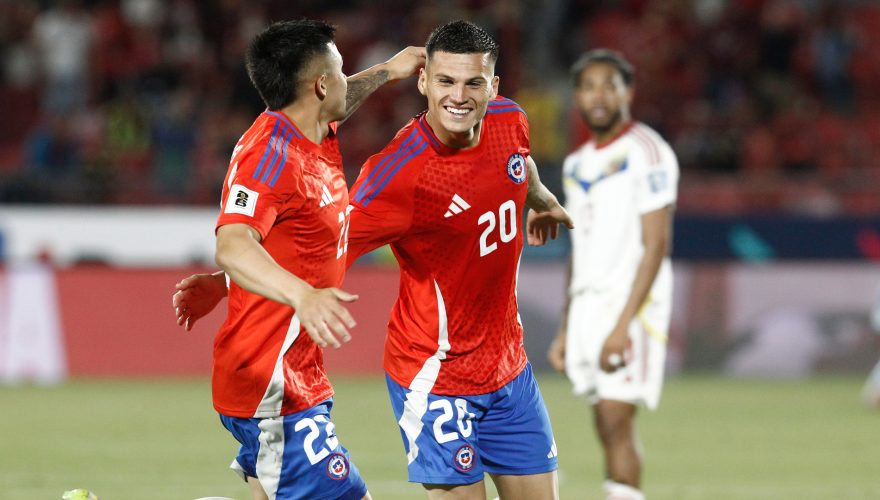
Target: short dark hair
(607,56)
(277,56)
(462,37)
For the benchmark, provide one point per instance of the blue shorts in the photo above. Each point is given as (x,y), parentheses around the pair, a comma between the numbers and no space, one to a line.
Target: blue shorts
(456,439)
(296,456)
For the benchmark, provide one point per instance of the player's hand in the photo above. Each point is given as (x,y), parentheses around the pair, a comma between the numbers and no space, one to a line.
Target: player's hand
(556,352)
(406,63)
(543,225)
(196,296)
(325,318)
(615,351)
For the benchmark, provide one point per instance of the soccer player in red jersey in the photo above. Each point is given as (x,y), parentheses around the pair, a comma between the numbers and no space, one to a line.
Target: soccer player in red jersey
(281,241)
(447,194)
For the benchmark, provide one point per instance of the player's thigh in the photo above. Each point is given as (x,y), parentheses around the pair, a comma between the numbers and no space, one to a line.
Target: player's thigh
(440,435)
(256,489)
(528,487)
(473,491)
(515,435)
(299,456)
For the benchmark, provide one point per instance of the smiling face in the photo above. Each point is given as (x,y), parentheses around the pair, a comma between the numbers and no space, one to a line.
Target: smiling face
(603,99)
(459,88)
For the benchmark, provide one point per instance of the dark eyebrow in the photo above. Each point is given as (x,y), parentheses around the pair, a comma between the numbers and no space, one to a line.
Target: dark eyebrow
(474,79)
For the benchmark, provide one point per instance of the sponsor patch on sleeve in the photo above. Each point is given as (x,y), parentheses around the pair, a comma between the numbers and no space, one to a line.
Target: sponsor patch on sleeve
(241,200)
(657,181)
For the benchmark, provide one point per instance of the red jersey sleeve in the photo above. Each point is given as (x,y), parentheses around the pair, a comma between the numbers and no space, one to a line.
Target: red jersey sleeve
(254,193)
(510,114)
(378,220)
(382,197)
(525,145)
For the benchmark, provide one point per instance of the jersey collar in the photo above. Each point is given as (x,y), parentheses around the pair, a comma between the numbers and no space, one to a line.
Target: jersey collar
(303,141)
(624,130)
(438,146)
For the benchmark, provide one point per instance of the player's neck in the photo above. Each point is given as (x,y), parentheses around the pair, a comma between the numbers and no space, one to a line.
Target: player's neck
(455,140)
(607,136)
(308,120)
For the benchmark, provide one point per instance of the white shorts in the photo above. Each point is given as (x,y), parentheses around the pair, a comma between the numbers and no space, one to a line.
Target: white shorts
(591,316)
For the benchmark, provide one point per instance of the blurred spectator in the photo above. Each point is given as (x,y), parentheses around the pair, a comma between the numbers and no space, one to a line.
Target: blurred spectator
(63,36)
(139,101)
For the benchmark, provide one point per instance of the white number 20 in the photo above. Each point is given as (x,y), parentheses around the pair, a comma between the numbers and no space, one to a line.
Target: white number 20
(506,227)
(464,419)
(331,442)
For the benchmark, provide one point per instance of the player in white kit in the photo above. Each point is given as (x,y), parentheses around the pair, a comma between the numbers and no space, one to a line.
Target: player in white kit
(620,189)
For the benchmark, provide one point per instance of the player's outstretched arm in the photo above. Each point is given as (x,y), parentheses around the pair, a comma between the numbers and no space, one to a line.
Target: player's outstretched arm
(196,296)
(545,212)
(556,352)
(320,310)
(404,64)
(656,240)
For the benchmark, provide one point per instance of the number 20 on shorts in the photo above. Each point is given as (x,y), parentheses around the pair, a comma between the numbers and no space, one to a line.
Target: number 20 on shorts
(460,413)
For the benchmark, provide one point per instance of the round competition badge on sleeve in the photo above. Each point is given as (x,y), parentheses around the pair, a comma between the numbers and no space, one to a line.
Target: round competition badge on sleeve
(516,168)
(337,466)
(464,458)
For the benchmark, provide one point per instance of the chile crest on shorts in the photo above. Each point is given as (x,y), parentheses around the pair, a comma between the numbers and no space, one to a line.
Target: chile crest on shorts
(464,458)
(337,466)
(516,168)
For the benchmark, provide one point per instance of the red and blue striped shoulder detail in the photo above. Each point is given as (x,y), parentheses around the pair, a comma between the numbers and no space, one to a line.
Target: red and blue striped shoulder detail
(503,105)
(388,165)
(275,155)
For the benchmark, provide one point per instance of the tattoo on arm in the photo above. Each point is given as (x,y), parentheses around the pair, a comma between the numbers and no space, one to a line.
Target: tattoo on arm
(538,196)
(360,87)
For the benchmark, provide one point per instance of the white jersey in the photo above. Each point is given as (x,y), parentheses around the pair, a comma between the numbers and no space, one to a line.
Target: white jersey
(607,189)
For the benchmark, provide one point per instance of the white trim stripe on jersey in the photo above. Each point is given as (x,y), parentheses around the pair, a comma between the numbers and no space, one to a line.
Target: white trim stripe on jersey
(515,288)
(232,175)
(269,457)
(416,403)
(457,206)
(270,405)
(427,376)
(652,152)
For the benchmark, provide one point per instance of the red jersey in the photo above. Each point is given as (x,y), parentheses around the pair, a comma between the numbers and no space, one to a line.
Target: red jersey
(453,219)
(293,192)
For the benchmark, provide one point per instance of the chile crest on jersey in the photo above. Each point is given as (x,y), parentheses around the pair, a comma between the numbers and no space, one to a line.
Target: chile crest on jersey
(516,168)
(337,467)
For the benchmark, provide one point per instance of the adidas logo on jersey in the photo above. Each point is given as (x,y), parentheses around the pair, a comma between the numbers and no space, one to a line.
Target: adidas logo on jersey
(457,206)
(326,197)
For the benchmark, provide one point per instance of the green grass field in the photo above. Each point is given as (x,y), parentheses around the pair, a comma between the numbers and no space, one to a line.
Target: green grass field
(712,438)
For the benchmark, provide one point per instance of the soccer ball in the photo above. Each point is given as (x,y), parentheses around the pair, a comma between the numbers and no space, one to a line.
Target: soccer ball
(79,494)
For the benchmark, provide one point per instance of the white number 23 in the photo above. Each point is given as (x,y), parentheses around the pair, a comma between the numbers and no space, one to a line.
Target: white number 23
(330,443)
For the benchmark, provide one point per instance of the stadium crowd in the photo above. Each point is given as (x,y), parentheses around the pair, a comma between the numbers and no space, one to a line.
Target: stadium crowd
(771,105)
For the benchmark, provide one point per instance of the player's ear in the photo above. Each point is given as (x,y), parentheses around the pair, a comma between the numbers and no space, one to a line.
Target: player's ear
(495,80)
(423,77)
(321,86)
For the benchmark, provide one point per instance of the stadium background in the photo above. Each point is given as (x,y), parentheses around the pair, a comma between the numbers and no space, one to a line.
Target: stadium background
(119,118)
